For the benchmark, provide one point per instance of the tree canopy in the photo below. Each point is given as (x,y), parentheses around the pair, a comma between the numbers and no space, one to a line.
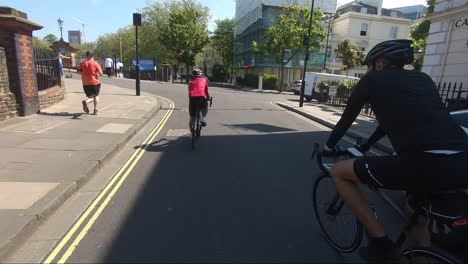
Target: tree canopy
(51,38)
(184,34)
(223,41)
(349,54)
(285,40)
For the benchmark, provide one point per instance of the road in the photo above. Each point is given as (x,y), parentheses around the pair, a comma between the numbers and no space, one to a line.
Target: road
(244,195)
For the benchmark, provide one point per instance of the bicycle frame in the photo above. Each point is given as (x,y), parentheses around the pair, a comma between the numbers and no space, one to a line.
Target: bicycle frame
(197,127)
(326,169)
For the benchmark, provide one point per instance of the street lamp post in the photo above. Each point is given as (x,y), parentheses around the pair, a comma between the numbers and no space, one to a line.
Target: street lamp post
(330,18)
(60,24)
(307,44)
(418,55)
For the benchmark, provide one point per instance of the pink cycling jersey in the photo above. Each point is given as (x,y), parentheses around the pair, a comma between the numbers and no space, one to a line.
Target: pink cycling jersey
(198,87)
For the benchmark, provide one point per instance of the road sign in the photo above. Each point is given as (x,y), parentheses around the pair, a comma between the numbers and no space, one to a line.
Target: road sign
(332,90)
(145,64)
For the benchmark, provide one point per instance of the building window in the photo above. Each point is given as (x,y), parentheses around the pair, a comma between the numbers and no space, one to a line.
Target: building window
(393,32)
(364,10)
(363,29)
(393,14)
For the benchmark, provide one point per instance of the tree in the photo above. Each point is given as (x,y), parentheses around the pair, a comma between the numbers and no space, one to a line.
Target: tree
(40,44)
(430,6)
(223,42)
(285,40)
(51,38)
(184,33)
(418,34)
(208,58)
(350,55)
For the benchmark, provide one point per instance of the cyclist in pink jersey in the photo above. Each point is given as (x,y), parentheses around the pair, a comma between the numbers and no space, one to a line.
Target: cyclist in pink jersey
(198,96)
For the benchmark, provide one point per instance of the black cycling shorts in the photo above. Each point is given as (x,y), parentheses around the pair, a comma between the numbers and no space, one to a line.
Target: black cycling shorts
(416,173)
(197,102)
(91,90)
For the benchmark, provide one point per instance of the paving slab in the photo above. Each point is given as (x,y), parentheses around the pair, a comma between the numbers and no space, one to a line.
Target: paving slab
(46,158)
(22,195)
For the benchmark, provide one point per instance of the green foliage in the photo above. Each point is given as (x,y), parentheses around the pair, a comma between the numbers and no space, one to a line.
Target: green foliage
(349,54)
(81,52)
(40,44)
(219,73)
(251,79)
(344,87)
(288,34)
(430,6)
(270,81)
(51,38)
(184,34)
(418,33)
(223,40)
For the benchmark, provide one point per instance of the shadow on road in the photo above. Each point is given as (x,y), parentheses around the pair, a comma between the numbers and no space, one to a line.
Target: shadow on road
(234,199)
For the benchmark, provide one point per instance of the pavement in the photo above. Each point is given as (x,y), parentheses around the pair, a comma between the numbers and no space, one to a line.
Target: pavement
(46,158)
(328,116)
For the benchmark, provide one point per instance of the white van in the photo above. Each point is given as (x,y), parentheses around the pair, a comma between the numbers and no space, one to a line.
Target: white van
(312,79)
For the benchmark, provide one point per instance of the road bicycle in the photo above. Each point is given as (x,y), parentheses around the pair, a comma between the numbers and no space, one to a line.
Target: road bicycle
(197,127)
(333,215)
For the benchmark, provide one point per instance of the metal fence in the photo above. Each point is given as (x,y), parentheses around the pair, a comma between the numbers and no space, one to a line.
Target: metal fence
(47,69)
(453,95)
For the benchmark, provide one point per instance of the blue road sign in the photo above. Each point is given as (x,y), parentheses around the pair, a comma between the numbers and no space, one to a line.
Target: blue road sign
(145,65)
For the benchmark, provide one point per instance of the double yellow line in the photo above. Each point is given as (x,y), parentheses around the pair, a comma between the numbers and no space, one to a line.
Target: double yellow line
(113,187)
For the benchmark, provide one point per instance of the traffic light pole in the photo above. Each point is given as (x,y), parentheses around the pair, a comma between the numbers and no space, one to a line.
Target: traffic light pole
(136,23)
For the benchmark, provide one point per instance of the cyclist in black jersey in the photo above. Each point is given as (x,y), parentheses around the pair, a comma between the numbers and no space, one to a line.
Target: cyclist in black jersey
(431,148)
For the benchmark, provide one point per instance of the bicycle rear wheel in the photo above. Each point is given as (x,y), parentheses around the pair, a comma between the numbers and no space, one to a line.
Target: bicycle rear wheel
(427,255)
(195,131)
(338,223)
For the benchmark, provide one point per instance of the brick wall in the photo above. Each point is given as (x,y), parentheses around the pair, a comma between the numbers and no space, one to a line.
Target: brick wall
(8,107)
(16,38)
(51,96)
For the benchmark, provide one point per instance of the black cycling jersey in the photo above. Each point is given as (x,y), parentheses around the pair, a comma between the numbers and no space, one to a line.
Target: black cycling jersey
(409,110)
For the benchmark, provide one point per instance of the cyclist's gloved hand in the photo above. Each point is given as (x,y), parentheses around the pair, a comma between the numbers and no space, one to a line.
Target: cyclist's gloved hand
(363,148)
(327,151)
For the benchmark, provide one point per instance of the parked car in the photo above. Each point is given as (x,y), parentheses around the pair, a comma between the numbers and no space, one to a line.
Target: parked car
(296,87)
(462,118)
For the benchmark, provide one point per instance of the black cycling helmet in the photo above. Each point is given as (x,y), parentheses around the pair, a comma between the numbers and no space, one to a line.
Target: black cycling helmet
(397,51)
(196,72)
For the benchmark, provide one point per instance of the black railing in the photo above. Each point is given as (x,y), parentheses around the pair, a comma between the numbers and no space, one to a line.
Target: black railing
(47,69)
(453,95)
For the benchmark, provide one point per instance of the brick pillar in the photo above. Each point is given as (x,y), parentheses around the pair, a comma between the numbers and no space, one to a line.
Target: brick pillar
(16,37)
(7,99)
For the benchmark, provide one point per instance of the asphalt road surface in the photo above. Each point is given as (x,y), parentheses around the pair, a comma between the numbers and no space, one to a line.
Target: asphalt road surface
(244,195)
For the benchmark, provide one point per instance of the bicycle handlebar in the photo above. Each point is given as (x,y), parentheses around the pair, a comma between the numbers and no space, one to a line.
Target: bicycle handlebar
(351,152)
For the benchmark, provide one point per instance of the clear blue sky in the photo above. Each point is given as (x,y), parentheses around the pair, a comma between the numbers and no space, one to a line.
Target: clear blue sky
(106,16)
(100,16)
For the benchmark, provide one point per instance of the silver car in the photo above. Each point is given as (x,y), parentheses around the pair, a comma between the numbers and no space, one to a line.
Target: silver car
(462,118)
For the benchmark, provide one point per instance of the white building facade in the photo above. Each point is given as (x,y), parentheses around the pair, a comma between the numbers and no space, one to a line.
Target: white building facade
(446,58)
(365,24)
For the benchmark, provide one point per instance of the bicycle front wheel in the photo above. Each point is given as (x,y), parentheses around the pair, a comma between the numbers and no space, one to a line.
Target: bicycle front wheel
(427,255)
(338,223)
